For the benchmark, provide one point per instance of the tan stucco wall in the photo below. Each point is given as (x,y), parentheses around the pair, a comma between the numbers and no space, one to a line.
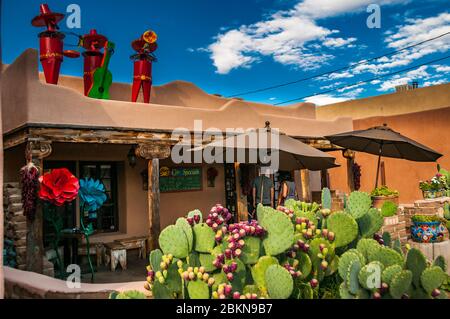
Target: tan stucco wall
(133,206)
(422,99)
(429,128)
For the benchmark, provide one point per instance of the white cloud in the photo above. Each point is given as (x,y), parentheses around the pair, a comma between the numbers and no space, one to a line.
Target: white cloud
(442,68)
(285,36)
(414,75)
(325,99)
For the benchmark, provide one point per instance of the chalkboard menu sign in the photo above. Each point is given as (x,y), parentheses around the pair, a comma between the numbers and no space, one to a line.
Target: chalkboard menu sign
(180,179)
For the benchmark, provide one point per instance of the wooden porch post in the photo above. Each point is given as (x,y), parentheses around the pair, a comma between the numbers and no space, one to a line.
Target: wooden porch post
(153,153)
(37,150)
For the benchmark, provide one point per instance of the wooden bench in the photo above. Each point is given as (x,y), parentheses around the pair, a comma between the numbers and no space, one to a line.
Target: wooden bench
(135,243)
(94,249)
(116,254)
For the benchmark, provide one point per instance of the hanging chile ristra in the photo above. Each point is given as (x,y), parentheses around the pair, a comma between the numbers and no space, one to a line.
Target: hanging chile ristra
(29,176)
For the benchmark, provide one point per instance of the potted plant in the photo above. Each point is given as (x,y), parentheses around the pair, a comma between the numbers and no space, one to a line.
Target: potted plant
(384,194)
(434,188)
(427,229)
(389,212)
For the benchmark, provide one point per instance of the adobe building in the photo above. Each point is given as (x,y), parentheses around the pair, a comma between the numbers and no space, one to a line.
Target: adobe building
(421,114)
(60,127)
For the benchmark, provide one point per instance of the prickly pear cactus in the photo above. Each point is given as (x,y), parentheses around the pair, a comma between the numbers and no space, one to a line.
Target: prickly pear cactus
(416,263)
(344,227)
(172,240)
(367,276)
(358,204)
(326,198)
(305,264)
(367,247)
(280,232)
(370,223)
(432,278)
(346,259)
(352,282)
(441,262)
(183,224)
(251,250)
(259,271)
(160,291)
(386,256)
(389,273)
(387,239)
(155,259)
(207,260)
(198,290)
(196,213)
(400,284)
(279,282)
(204,238)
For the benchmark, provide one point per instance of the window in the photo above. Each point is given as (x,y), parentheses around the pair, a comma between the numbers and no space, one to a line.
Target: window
(106,219)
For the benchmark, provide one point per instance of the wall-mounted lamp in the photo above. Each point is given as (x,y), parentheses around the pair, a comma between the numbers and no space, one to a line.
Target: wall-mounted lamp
(132,158)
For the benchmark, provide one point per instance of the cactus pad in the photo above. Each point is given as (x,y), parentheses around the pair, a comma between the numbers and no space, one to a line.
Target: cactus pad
(441,262)
(280,232)
(183,224)
(279,282)
(368,275)
(304,291)
(358,204)
(305,264)
(314,249)
(251,250)
(204,238)
(344,292)
(161,291)
(432,278)
(206,260)
(367,247)
(173,280)
(400,283)
(198,290)
(416,263)
(155,259)
(389,273)
(352,281)
(344,227)
(346,260)
(196,213)
(386,256)
(259,270)
(172,240)
(326,198)
(370,223)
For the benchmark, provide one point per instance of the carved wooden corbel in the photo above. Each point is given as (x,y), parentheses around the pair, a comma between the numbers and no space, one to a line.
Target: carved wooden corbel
(153,151)
(37,149)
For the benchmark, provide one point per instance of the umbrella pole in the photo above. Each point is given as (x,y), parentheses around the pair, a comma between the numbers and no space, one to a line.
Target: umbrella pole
(378,170)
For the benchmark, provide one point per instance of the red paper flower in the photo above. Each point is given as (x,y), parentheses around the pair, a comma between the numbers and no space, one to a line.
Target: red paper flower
(59,187)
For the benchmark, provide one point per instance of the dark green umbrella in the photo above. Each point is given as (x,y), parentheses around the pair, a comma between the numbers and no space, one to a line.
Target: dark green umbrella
(385,142)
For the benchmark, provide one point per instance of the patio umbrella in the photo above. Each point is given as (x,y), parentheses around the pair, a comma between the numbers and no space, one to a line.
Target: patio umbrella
(385,142)
(291,154)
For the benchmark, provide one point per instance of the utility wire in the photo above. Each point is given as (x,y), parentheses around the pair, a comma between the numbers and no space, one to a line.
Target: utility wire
(351,66)
(364,81)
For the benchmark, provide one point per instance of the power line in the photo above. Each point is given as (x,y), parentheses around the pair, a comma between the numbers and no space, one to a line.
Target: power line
(337,70)
(364,81)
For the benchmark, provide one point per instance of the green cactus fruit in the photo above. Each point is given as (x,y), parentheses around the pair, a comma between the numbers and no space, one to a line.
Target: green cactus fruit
(387,256)
(314,250)
(416,263)
(370,223)
(204,238)
(155,259)
(160,291)
(206,261)
(400,283)
(251,250)
(352,281)
(441,262)
(367,247)
(291,204)
(196,213)
(183,224)
(344,227)
(359,204)
(280,232)
(387,238)
(304,264)
(326,198)
(259,271)
(198,290)
(193,260)
(370,275)
(389,209)
(389,273)
(346,260)
(279,282)
(432,278)
(172,240)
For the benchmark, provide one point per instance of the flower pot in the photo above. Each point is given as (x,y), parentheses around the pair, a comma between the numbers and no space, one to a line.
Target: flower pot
(434,194)
(388,221)
(378,201)
(427,232)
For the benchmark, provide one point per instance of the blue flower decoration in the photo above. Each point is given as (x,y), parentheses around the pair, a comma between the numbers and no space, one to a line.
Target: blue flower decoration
(92,194)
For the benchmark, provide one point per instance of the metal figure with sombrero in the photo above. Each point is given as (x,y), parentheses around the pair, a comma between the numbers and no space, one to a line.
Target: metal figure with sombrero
(51,43)
(93,43)
(143,59)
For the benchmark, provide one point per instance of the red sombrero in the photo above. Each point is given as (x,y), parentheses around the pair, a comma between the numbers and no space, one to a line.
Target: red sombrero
(94,37)
(138,45)
(46,16)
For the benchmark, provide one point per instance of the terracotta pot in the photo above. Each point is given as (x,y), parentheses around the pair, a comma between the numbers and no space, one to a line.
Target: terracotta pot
(391,220)
(378,201)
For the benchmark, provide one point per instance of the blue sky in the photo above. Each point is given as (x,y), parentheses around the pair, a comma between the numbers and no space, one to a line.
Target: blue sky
(234,46)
